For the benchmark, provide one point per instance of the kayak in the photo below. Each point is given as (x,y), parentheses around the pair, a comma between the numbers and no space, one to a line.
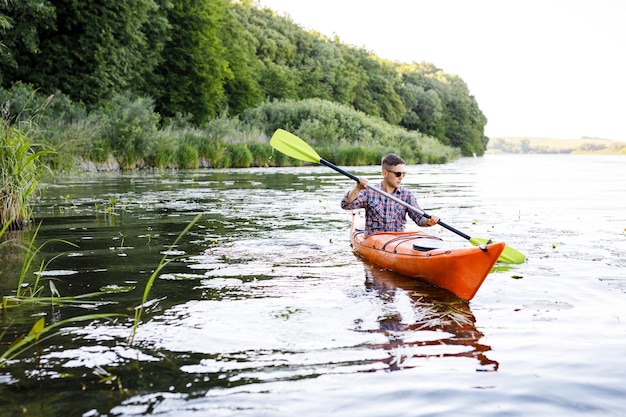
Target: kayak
(460,270)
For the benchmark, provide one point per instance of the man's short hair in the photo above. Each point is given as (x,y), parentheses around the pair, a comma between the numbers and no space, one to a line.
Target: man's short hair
(392,160)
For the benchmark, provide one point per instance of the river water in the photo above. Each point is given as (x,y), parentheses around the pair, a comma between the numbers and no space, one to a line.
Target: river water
(263,309)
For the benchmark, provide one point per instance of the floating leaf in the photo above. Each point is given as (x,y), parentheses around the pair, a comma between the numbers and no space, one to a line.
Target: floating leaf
(37,328)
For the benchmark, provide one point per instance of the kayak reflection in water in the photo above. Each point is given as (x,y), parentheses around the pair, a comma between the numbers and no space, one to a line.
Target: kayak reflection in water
(431,310)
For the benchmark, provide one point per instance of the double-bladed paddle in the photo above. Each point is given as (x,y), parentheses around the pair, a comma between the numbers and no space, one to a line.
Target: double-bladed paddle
(291,145)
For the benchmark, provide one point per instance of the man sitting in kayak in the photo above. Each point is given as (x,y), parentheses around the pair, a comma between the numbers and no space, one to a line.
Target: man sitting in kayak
(381,213)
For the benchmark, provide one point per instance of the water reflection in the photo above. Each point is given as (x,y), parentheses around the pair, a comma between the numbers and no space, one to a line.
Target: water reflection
(423,321)
(264,309)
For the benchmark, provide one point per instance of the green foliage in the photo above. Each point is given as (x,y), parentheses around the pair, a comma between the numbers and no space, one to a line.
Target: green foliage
(230,70)
(241,87)
(20,169)
(128,125)
(187,157)
(194,68)
(261,153)
(240,155)
(332,126)
(162,149)
(440,105)
(216,153)
(86,49)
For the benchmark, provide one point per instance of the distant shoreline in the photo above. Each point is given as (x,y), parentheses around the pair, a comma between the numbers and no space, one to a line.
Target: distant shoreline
(584,145)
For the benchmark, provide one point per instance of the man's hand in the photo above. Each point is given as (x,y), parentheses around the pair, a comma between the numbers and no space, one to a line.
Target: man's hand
(360,186)
(432,221)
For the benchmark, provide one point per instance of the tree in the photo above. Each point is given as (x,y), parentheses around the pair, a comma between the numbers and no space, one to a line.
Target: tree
(88,50)
(194,68)
(242,89)
(378,97)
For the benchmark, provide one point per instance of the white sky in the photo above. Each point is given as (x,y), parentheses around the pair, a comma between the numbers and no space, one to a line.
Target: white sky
(538,68)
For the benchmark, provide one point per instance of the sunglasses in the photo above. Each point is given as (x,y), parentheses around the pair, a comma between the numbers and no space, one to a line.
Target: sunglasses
(398,174)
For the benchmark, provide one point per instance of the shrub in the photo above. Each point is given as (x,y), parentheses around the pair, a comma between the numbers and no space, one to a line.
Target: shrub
(20,168)
(129,125)
(187,157)
(261,153)
(240,155)
(216,153)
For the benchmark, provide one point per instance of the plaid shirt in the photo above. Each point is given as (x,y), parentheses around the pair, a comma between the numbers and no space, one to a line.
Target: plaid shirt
(383,214)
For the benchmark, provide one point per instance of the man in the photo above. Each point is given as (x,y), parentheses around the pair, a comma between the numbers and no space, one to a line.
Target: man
(381,213)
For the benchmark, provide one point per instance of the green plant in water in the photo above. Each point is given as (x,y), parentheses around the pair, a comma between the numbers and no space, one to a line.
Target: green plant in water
(32,293)
(39,329)
(20,168)
(164,261)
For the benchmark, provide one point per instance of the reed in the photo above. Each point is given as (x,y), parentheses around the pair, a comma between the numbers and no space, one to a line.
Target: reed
(20,169)
(146,292)
(40,332)
(32,294)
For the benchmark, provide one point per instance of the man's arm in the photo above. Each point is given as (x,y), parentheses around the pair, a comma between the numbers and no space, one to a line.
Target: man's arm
(353,194)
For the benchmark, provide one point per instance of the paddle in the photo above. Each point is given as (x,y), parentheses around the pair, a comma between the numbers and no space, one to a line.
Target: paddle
(293,146)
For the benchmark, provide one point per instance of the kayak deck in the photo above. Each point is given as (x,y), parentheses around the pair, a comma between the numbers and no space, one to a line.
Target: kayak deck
(460,270)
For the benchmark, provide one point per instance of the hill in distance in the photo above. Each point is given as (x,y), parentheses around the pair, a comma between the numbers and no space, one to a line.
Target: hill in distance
(583,145)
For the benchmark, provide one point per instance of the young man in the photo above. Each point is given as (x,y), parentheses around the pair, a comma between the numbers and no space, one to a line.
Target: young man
(381,213)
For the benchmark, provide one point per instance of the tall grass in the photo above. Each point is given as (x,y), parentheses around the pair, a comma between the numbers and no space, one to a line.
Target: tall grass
(20,169)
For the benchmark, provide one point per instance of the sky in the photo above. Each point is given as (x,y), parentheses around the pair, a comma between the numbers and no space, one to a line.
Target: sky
(537,68)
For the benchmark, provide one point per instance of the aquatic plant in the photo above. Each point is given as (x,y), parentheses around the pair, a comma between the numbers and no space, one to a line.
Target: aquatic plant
(241,156)
(32,293)
(20,168)
(146,292)
(39,329)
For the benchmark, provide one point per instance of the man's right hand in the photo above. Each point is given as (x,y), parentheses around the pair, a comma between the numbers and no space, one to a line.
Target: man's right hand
(362,184)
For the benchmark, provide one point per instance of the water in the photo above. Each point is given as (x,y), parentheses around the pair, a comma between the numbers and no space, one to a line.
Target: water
(265,311)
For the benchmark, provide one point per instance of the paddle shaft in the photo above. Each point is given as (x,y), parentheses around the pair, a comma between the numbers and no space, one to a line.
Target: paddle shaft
(397,200)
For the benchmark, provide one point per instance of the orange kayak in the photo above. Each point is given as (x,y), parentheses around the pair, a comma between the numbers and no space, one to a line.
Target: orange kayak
(460,270)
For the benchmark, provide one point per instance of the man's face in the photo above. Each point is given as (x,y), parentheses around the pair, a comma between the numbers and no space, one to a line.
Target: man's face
(394,175)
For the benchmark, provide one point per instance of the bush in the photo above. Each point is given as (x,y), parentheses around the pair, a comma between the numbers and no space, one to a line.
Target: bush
(216,153)
(240,155)
(127,128)
(20,167)
(187,157)
(162,149)
(261,153)
(129,125)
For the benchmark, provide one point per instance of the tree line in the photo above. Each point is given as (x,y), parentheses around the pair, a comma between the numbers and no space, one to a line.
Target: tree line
(203,66)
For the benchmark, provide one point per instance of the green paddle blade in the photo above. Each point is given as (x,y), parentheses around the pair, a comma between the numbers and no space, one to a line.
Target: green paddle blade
(508,255)
(293,146)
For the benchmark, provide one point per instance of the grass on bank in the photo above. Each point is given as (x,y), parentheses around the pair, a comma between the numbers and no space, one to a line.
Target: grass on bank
(128,131)
(20,169)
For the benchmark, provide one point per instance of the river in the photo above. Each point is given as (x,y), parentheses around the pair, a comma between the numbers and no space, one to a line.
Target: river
(263,309)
